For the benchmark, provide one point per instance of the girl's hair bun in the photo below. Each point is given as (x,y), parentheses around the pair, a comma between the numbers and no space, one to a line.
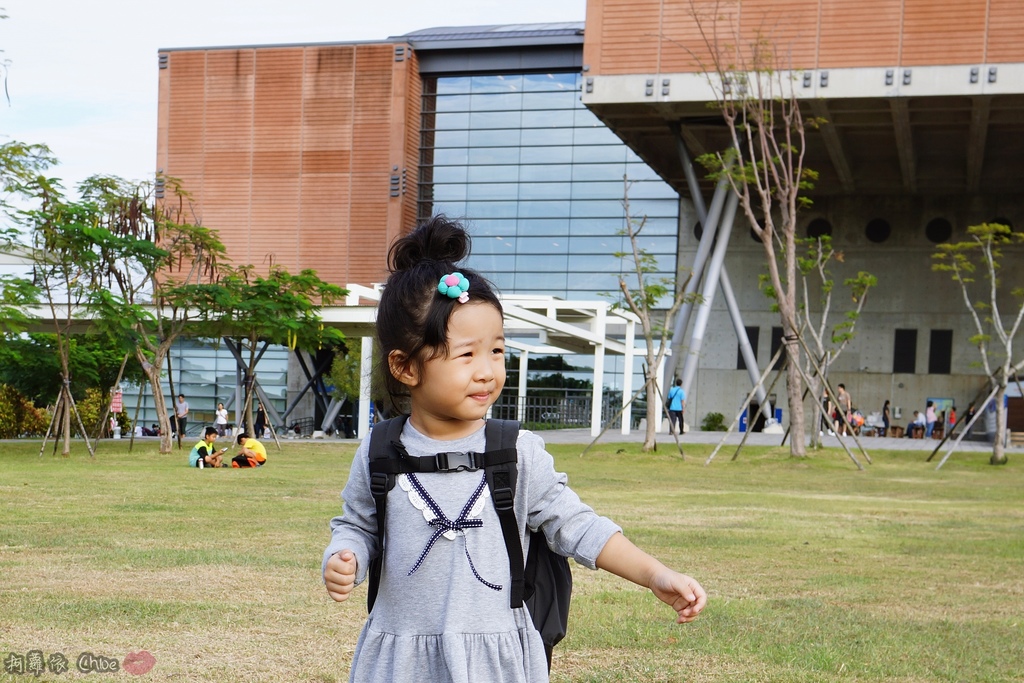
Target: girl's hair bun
(438,240)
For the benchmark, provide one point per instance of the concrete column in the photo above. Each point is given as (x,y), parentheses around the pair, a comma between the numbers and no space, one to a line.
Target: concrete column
(524,362)
(365,372)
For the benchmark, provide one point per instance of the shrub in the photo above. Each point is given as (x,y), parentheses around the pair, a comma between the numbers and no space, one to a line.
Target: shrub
(713,422)
(18,417)
(92,406)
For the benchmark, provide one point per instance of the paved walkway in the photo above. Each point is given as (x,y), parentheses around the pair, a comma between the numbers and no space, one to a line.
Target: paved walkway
(760,439)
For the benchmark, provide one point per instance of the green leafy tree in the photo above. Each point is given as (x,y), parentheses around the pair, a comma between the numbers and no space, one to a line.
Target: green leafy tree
(150,256)
(30,364)
(994,333)
(276,308)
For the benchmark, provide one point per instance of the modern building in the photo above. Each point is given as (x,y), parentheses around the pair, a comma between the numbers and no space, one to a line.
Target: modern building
(318,156)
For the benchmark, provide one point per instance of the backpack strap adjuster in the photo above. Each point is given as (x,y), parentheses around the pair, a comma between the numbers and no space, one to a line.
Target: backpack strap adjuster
(379,484)
(454,461)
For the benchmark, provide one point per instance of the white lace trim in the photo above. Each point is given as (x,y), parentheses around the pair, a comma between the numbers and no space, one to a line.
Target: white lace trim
(428,514)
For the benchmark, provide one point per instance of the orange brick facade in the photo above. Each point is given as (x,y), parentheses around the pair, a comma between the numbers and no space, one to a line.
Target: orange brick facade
(665,36)
(291,153)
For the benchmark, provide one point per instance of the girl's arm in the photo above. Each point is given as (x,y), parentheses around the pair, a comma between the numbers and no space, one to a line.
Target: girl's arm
(679,591)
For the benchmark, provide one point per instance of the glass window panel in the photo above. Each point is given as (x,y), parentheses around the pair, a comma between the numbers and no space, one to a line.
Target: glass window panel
(449,193)
(598,171)
(485,245)
(596,226)
(492,263)
(598,190)
(451,121)
(503,282)
(497,101)
(451,138)
(600,208)
(544,226)
(493,191)
(653,207)
(529,173)
(495,174)
(598,154)
(662,226)
(493,119)
(552,263)
(546,155)
(541,282)
(490,227)
(497,137)
(552,81)
(595,136)
(547,118)
(493,155)
(584,118)
(498,83)
(546,136)
(449,174)
(601,245)
(544,209)
(453,84)
(453,208)
(657,244)
(543,245)
(586,283)
(529,191)
(642,171)
(448,103)
(551,100)
(491,209)
(651,189)
(451,156)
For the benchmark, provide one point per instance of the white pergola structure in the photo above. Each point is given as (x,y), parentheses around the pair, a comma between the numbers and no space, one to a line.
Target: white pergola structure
(533,325)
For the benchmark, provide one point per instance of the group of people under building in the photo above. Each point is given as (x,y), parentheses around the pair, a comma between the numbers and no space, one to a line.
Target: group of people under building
(924,424)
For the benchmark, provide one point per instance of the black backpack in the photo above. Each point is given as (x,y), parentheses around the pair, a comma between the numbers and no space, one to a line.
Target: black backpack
(544,582)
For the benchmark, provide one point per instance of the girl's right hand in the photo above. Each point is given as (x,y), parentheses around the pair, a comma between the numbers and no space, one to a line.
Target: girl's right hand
(340,575)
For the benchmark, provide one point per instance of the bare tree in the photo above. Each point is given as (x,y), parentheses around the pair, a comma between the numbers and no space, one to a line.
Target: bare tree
(644,299)
(983,251)
(764,165)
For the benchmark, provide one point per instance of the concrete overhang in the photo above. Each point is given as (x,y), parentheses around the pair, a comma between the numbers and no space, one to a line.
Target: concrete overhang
(889,130)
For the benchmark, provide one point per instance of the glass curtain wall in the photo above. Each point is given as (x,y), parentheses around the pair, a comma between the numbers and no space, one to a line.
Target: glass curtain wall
(538,181)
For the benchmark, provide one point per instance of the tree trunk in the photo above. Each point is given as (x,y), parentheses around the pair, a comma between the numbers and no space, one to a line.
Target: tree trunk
(152,371)
(653,414)
(794,391)
(998,447)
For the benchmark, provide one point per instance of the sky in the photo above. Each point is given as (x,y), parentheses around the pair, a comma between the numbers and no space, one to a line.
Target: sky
(81,75)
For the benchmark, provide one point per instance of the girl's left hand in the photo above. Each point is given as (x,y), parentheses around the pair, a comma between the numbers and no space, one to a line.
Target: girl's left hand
(680,592)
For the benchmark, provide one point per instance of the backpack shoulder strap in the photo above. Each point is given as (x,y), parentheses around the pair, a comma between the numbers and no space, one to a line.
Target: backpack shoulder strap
(385,442)
(502,472)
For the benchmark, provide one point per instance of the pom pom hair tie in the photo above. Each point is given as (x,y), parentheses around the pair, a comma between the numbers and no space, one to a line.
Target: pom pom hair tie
(454,286)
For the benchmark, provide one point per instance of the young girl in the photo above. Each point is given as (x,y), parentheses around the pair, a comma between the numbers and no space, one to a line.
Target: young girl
(442,612)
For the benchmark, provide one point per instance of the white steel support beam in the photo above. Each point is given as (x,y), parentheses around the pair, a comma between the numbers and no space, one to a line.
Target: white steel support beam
(524,363)
(600,330)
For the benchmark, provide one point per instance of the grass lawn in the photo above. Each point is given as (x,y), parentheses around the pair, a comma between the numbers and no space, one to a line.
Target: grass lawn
(816,572)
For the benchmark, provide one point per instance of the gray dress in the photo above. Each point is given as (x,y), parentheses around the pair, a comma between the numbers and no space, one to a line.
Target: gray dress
(442,613)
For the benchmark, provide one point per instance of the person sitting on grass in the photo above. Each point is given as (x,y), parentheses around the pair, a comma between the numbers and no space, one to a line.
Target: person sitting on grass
(253,453)
(203,455)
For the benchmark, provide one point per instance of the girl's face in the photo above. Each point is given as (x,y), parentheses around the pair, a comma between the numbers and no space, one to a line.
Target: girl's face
(451,394)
